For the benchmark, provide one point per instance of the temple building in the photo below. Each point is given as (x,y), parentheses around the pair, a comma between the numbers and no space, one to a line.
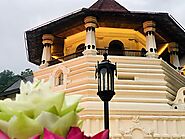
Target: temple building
(149,49)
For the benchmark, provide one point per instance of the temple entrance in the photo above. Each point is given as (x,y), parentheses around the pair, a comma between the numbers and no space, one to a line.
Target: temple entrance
(116,47)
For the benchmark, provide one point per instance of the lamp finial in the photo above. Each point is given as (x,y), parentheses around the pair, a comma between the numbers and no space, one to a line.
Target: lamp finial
(105,56)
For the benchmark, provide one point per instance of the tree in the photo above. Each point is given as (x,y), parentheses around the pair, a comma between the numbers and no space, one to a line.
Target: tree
(26,72)
(8,77)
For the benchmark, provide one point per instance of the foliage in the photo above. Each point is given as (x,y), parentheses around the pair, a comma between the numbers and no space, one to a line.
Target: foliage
(26,72)
(8,77)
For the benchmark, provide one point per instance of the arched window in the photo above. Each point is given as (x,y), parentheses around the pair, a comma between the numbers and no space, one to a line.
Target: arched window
(59,76)
(80,48)
(116,47)
(59,79)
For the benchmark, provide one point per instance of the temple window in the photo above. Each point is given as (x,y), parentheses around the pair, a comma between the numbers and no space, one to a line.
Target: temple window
(59,80)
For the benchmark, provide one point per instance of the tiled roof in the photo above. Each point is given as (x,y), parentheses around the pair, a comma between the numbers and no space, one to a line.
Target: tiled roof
(14,88)
(111,14)
(108,5)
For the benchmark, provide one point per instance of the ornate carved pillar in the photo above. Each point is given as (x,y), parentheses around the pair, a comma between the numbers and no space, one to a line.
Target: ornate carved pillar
(149,29)
(90,43)
(47,41)
(173,50)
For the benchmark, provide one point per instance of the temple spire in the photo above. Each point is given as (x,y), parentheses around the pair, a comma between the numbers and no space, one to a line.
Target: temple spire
(108,5)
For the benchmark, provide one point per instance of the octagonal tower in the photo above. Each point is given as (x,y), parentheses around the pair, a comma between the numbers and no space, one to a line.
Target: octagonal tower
(149,50)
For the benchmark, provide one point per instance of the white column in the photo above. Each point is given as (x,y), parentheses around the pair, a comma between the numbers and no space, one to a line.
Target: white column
(47,41)
(90,43)
(174,58)
(149,29)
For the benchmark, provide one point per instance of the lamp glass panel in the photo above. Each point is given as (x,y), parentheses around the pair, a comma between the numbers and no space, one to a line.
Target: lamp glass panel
(103,76)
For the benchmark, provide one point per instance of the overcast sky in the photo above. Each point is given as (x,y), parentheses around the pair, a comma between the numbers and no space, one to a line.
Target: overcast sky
(17,16)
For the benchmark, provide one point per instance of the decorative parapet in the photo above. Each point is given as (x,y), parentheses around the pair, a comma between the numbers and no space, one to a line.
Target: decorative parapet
(179,102)
(137,131)
(173,79)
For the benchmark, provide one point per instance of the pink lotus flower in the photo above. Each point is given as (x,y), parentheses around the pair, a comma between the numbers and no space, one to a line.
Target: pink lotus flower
(35,137)
(3,135)
(50,135)
(74,133)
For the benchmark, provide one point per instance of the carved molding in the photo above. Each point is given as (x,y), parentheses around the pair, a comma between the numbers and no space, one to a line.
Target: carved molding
(137,130)
(179,102)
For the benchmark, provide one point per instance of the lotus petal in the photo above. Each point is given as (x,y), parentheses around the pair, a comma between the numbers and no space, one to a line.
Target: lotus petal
(49,101)
(62,126)
(3,135)
(80,123)
(50,135)
(4,126)
(35,137)
(25,88)
(75,133)
(13,107)
(46,119)
(37,107)
(22,127)
(5,116)
(102,135)
(53,110)
(70,104)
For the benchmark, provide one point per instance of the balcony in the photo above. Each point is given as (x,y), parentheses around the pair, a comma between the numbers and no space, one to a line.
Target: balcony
(101,51)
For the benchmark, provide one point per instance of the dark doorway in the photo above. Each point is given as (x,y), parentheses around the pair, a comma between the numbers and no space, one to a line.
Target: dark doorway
(116,47)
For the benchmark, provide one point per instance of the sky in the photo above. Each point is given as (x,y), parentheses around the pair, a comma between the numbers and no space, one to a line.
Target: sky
(17,16)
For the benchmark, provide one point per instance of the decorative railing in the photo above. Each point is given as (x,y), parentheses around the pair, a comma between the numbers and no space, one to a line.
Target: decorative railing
(101,51)
(138,53)
(65,58)
(71,56)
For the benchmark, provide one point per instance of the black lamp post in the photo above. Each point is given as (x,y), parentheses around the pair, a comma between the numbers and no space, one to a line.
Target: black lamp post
(105,71)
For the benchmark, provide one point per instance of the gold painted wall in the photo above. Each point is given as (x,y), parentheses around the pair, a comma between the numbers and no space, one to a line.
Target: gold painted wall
(132,40)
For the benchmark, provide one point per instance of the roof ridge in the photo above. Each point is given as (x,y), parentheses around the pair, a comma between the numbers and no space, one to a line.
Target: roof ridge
(108,5)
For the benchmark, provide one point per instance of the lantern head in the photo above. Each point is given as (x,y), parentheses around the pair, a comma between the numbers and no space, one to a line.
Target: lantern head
(105,72)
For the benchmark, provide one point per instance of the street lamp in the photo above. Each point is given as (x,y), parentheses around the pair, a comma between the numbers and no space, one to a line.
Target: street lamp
(105,72)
